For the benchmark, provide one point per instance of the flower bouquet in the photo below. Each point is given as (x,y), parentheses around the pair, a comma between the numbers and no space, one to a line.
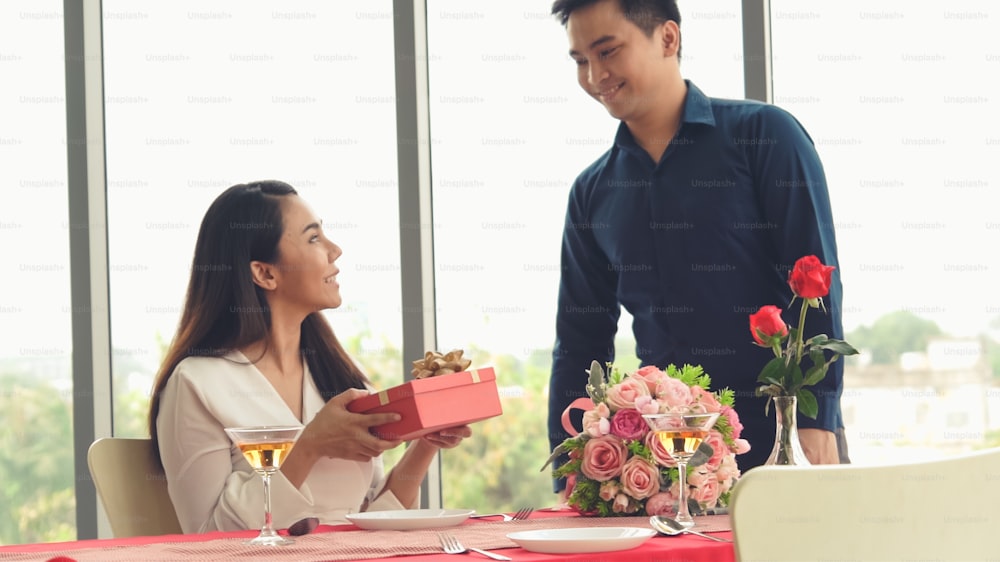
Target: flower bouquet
(616,464)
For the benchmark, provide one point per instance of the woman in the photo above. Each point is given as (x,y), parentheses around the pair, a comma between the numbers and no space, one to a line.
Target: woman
(252,348)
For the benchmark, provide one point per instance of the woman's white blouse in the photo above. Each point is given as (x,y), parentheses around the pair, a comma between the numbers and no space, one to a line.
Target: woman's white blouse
(213,487)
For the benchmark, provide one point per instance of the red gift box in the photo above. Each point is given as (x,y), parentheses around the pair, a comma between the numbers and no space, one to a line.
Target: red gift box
(434,403)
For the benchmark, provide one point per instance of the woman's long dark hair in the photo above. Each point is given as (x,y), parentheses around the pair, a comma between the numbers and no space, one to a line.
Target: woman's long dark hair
(225,310)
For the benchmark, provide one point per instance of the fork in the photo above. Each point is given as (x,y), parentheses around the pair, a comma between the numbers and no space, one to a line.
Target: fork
(520,515)
(523,513)
(451,545)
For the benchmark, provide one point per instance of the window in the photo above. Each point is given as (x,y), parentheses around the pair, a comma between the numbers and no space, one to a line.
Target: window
(901,126)
(38,502)
(200,98)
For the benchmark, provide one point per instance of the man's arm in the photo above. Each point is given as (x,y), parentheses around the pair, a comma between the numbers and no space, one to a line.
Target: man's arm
(586,318)
(793,194)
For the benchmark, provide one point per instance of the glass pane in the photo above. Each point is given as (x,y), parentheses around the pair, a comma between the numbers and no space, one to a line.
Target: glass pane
(506,147)
(201,98)
(905,131)
(37,501)
(712,46)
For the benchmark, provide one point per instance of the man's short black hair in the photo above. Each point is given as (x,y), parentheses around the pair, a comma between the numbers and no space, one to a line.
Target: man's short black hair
(645,14)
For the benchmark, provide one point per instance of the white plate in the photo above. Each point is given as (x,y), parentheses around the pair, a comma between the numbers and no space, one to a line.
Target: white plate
(592,539)
(406,519)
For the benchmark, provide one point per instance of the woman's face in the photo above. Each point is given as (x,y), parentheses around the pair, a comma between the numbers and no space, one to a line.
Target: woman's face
(305,274)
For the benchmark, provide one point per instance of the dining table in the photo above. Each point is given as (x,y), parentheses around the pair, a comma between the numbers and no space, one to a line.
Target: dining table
(350,542)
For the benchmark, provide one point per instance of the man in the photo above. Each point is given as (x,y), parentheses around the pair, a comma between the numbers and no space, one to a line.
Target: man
(691,221)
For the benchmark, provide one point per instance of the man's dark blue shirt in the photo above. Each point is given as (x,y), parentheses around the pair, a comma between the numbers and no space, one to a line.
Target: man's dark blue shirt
(691,247)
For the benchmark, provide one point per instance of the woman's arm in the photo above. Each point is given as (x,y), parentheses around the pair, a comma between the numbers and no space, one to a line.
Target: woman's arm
(405,478)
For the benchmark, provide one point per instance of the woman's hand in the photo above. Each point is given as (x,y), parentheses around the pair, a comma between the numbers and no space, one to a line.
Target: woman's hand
(448,437)
(337,432)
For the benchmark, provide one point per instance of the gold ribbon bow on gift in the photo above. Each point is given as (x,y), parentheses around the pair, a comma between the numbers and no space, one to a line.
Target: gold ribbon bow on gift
(434,364)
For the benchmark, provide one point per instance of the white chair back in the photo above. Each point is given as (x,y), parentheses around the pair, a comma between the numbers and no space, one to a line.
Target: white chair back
(933,510)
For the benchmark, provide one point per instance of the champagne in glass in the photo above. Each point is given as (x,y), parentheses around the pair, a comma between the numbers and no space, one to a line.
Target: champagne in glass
(681,442)
(265,447)
(681,433)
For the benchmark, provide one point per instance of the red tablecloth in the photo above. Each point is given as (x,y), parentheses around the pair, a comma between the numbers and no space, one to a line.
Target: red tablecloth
(324,545)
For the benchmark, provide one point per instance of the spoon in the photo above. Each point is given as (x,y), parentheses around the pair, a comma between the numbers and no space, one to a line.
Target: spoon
(668,526)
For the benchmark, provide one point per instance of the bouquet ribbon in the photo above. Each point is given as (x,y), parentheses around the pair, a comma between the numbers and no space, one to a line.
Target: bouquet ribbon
(578,404)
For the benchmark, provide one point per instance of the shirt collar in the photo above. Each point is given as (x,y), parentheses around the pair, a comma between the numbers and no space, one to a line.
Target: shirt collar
(697,109)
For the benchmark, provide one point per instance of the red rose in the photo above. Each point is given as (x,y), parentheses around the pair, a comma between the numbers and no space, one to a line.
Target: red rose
(809,278)
(767,321)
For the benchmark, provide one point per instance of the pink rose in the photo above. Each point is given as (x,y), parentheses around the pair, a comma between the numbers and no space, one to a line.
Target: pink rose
(623,394)
(628,424)
(652,376)
(603,458)
(640,479)
(673,392)
(719,449)
(697,478)
(734,420)
(660,453)
(663,503)
(707,495)
(595,422)
(706,399)
(742,446)
(728,469)
(647,405)
(609,489)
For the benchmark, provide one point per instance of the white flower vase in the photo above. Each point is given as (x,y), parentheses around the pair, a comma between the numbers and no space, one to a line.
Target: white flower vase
(787,449)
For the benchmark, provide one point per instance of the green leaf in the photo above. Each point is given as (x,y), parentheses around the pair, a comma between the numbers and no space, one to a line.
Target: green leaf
(561,448)
(818,339)
(839,346)
(815,374)
(773,372)
(595,384)
(795,373)
(691,375)
(770,390)
(726,396)
(817,357)
(807,403)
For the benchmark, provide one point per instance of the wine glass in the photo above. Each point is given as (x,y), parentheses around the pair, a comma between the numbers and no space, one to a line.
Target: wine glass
(265,447)
(681,433)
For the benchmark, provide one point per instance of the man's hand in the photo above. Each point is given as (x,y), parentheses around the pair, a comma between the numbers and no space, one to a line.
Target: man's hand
(819,445)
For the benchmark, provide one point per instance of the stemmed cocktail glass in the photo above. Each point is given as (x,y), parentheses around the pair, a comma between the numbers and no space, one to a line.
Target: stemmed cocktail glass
(681,433)
(265,447)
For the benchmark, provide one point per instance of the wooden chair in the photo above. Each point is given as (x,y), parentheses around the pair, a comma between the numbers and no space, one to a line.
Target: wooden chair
(132,489)
(933,510)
